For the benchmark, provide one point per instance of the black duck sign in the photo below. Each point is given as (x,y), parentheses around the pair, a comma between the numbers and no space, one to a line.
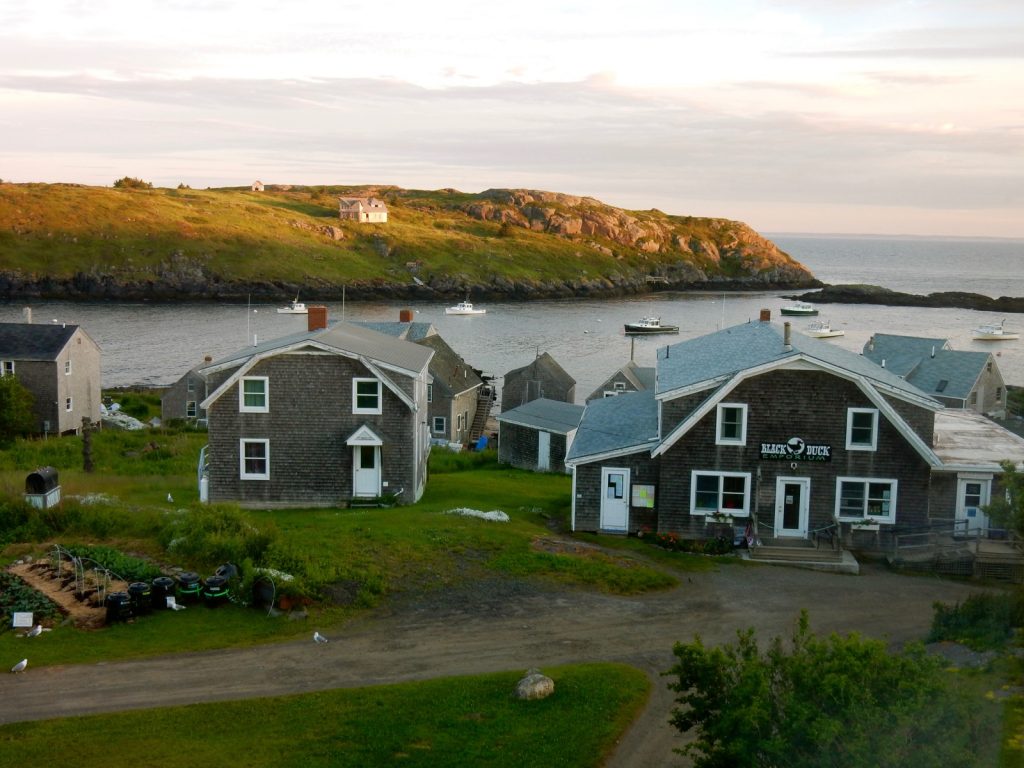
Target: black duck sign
(795,449)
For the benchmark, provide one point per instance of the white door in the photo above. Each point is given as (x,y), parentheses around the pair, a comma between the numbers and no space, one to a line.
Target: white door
(614,499)
(543,450)
(366,470)
(972,494)
(792,506)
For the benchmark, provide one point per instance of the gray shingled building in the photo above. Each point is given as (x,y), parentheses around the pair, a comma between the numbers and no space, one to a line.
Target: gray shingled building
(537,435)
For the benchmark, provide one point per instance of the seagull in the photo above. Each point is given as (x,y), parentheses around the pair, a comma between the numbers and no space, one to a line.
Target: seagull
(317,637)
(170,499)
(35,631)
(20,666)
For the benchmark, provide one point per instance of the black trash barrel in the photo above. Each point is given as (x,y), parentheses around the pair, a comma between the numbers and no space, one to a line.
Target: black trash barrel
(215,591)
(163,587)
(141,596)
(228,571)
(189,587)
(119,606)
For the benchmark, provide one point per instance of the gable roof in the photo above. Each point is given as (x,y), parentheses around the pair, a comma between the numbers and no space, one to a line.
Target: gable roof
(549,415)
(448,368)
(31,341)
(901,354)
(616,425)
(708,361)
(928,364)
(543,364)
(405,331)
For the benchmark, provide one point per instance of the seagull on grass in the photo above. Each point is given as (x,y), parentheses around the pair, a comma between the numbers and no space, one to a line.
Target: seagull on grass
(170,499)
(317,637)
(20,666)
(35,631)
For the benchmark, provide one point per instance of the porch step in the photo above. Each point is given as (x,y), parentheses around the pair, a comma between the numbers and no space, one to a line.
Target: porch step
(804,553)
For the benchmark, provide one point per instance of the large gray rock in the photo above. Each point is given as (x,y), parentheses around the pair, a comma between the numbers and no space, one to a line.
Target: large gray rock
(534,685)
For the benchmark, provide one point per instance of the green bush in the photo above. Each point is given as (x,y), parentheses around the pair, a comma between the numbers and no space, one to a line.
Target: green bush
(981,622)
(212,535)
(443,461)
(125,566)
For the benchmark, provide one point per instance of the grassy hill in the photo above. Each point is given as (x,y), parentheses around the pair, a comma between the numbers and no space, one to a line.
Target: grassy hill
(96,242)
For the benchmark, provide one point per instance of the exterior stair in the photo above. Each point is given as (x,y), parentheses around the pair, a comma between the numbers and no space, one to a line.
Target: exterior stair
(804,554)
(484,404)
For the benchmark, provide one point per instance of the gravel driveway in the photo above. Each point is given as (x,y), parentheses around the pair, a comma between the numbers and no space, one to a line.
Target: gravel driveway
(505,625)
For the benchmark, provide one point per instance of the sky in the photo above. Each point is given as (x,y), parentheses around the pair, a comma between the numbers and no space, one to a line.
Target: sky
(818,116)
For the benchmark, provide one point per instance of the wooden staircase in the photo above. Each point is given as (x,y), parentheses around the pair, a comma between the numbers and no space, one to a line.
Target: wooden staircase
(804,554)
(484,404)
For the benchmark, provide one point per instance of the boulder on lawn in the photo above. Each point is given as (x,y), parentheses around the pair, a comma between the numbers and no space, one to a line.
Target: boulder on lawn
(534,685)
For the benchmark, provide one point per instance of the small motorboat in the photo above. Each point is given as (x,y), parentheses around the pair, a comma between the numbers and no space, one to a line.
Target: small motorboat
(464,308)
(651,325)
(994,332)
(801,308)
(822,329)
(295,307)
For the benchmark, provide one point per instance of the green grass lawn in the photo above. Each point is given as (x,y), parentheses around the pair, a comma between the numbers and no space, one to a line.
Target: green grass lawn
(471,721)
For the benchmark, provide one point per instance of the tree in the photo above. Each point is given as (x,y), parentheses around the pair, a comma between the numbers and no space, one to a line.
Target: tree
(16,416)
(1007,509)
(835,701)
(130,182)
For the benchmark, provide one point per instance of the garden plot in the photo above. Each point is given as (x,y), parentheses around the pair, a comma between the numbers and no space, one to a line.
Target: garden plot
(79,596)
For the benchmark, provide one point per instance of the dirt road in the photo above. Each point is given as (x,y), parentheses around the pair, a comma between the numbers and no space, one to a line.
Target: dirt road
(504,626)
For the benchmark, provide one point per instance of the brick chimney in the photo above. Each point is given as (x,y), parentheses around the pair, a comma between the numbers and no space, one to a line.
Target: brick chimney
(317,317)
(766,315)
(405,315)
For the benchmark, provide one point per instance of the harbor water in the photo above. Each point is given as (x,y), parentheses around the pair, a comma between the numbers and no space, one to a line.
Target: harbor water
(155,344)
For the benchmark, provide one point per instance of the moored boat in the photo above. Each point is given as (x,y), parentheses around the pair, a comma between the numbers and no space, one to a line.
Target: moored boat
(994,332)
(799,308)
(464,308)
(295,307)
(822,329)
(651,325)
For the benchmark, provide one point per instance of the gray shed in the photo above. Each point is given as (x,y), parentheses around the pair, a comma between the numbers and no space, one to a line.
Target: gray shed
(537,435)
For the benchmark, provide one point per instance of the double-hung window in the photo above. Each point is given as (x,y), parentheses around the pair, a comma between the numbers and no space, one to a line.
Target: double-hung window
(720,493)
(6,367)
(861,429)
(430,393)
(254,459)
(731,424)
(254,394)
(864,498)
(68,405)
(190,409)
(366,396)
(439,424)
(67,367)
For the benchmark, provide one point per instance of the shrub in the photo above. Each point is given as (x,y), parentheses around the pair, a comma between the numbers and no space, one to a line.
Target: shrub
(216,534)
(125,566)
(981,622)
(719,545)
(130,182)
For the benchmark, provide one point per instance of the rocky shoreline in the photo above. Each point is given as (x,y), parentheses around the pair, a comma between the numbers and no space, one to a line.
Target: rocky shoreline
(873,294)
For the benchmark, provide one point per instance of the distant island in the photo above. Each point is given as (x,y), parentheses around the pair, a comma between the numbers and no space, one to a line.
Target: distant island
(873,294)
(270,242)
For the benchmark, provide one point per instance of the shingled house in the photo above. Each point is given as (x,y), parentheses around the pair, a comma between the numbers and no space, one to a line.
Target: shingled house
(957,379)
(761,426)
(181,400)
(537,435)
(367,210)
(543,377)
(60,365)
(629,378)
(319,418)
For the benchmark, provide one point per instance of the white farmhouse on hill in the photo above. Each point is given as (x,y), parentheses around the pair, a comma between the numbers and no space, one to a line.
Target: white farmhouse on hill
(363,209)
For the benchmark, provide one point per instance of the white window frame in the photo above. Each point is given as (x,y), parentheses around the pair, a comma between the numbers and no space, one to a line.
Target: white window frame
(242,407)
(67,367)
(720,439)
(619,386)
(191,410)
(355,396)
(69,405)
(6,367)
(878,517)
(190,384)
(852,446)
(722,510)
(430,393)
(242,473)
(444,425)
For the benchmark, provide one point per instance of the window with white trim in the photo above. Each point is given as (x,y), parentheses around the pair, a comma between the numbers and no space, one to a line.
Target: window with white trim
(67,367)
(866,498)
(254,394)
(190,384)
(731,424)
(190,409)
(720,493)
(6,367)
(619,386)
(430,393)
(366,396)
(68,405)
(861,429)
(440,424)
(254,459)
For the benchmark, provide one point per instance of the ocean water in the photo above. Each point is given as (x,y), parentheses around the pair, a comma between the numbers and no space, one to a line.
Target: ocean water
(155,344)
